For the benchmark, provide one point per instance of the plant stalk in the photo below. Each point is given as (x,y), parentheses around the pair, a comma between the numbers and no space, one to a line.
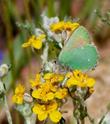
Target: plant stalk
(30,119)
(83,121)
(8,114)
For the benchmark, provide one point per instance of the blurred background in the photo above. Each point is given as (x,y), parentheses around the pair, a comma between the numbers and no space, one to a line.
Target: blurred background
(93,14)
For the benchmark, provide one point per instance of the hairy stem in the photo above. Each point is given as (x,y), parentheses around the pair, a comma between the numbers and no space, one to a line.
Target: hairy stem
(3,90)
(45,54)
(30,119)
(8,114)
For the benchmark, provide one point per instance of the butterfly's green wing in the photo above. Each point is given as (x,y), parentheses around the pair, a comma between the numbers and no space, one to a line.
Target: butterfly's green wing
(78,38)
(80,58)
(78,53)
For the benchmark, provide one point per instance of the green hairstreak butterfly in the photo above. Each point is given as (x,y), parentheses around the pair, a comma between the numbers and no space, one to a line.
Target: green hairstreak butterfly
(79,53)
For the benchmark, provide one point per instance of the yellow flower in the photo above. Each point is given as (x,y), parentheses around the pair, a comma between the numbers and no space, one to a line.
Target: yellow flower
(40,110)
(72,82)
(48,76)
(86,82)
(19,93)
(60,26)
(55,116)
(35,42)
(70,26)
(91,82)
(57,26)
(18,99)
(54,78)
(19,89)
(44,93)
(48,89)
(91,90)
(36,82)
(61,93)
(60,77)
(47,110)
(81,80)
(57,78)
(77,74)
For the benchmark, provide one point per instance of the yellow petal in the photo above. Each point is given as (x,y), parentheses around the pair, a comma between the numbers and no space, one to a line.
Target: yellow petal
(90,82)
(27,44)
(19,89)
(38,77)
(52,106)
(37,44)
(55,116)
(48,76)
(49,96)
(42,116)
(34,83)
(71,26)
(57,26)
(36,109)
(60,77)
(72,82)
(77,74)
(82,84)
(42,36)
(61,93)
(40,110)
(36,93)
(18,99)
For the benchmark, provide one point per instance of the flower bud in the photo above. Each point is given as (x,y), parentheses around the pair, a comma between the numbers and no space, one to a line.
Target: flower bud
(4,68)
(28,98)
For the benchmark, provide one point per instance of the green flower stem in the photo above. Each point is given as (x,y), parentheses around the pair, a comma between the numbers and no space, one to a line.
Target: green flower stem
(27,120)
(3,91)
(46,65)
(8,114)
(45,54)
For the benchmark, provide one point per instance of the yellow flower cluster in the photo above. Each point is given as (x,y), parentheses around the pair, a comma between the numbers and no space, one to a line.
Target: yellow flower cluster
(60,26)
(47,90)
(18,96)
(77,78)
(35,42)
